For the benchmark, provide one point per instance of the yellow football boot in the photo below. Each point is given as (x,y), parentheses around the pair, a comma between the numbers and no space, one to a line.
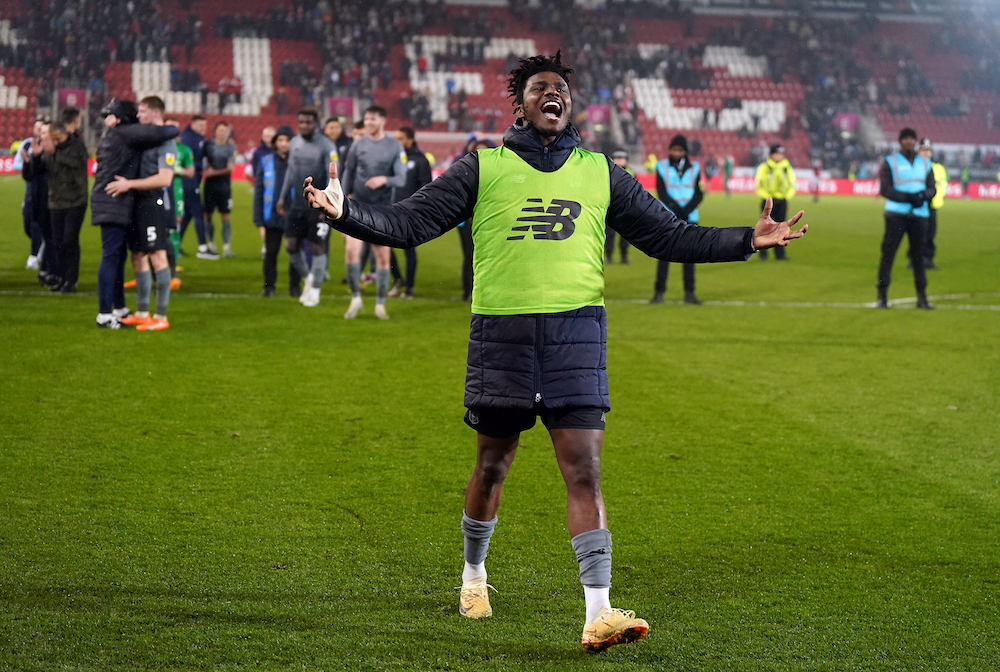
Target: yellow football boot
(474,601)
(613,626)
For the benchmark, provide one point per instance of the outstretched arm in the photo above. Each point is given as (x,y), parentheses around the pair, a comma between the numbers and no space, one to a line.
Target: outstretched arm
(645,223)
(434,209)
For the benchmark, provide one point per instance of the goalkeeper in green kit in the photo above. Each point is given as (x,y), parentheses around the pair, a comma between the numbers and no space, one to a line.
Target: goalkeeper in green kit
(538,341)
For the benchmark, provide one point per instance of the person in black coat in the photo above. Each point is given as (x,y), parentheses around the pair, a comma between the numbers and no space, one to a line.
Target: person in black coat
(418,173)
(269,175)
(36,206)
(118,153)
(538,336)
(64,156)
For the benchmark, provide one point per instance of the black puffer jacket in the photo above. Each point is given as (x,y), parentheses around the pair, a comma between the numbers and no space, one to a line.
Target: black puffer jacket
(118,153)
(556,360)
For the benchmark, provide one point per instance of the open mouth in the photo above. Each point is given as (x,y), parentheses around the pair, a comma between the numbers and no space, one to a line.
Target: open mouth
(551,110)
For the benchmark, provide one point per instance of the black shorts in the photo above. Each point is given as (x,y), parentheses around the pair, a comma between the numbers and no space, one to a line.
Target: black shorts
(500,423)
(149,230)
(307,223)
(218,196)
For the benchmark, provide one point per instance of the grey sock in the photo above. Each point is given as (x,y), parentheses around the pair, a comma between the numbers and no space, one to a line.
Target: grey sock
(298,262)
(318,269)
(593,552)
(162,291)
(477,538)
(381,284)
(210,232)
(354,278)
(225,232)
(143,288)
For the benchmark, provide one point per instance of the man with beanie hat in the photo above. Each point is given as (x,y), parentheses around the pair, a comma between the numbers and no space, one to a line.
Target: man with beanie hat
(268,178)
(941,184)
(118,154)
(148,233)
(678,186)
(776,180)
(906,181)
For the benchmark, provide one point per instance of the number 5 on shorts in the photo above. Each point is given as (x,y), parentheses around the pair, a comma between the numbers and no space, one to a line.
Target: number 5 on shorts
(151,234)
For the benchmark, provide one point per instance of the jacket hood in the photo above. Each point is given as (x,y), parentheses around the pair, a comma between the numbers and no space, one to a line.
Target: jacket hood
(524,140)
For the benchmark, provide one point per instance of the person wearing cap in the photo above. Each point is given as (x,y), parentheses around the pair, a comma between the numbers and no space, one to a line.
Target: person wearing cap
(906,181)
(268,178)
(118,153)
(776,180)
(620,158)
(678,186)
(941,184)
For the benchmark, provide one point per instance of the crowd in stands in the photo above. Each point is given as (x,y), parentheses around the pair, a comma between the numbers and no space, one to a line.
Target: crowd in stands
(64,41)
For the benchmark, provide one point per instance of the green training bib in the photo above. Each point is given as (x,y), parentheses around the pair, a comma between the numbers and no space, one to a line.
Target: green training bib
(539,237)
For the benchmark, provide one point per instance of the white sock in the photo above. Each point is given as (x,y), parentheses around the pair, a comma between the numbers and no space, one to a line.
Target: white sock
(120,312)
(597,599)
(104,317)
(473,572)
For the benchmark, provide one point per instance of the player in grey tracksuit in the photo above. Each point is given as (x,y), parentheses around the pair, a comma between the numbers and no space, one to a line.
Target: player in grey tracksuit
(309,155)
(374,168)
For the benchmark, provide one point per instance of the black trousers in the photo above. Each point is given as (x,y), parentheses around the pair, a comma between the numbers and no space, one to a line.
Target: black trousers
(896,226)
(272,248)
(609,244)
(111,272)
(31,229)
(929,248)
(663,267)
(411,268)
(468,247)
(779,213)
(66,225)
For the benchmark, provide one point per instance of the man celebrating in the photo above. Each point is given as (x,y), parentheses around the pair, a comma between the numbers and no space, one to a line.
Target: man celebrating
(906,181)
(373,167)
(678,186)
(776,181)
(539,205)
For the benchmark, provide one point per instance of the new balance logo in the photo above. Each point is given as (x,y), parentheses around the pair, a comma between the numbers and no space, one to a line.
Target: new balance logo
(552,223)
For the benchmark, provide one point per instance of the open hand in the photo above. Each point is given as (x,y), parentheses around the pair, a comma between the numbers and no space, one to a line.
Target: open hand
(769,233)
(376,182)
(119,185)
(331,200)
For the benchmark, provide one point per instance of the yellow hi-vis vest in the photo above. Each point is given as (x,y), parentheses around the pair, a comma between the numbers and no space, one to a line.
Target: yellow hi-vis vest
(940,184)
(776,180)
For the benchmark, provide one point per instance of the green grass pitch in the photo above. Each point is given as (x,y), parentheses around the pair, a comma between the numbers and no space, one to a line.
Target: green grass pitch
(795,481)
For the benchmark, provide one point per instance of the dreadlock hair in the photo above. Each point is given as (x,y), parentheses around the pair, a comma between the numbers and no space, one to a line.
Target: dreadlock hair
(528,67)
